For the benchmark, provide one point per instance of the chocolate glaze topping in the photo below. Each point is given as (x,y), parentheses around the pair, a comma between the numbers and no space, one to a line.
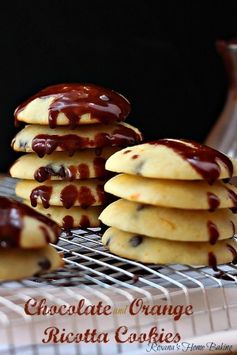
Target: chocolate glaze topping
(70,195)
(233,197)
(213,232)
(234,253)
(203,159)
(213,201)
(46,144)
(77,99)
(212,261)
(68,222)
(12,223)
(44,193)
(84,222)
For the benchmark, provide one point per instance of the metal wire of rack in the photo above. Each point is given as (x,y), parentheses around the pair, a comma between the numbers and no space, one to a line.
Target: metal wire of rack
(95,274)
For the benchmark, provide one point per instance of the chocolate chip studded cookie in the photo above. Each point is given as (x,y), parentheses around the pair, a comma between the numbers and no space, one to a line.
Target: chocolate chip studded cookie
(170,223)
(160,251)
(19,263)
(173,193)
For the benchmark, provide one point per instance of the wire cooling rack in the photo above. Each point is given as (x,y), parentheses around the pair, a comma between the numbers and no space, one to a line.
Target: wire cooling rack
(94,273)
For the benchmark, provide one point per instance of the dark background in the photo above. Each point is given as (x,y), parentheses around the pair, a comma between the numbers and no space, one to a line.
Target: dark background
(160,54)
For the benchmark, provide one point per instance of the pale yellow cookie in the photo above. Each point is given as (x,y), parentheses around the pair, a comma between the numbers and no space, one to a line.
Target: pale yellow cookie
(72,218)
(23,227)
(84,193)
(88,163)
(17,263)
(161,251)
(44,140)
(161,161)
(175,193)
(170,223)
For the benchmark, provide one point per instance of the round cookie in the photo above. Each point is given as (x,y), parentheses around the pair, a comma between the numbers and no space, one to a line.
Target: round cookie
(175,193)
(161,251)
(18,263)
(74,217)
(23,227)
(170,223)
(43,140)
(173,159)
(73,104)
(84,193)
(88,163)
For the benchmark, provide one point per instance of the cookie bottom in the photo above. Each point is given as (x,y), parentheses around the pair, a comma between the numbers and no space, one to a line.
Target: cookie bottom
(17,264)
(160,251)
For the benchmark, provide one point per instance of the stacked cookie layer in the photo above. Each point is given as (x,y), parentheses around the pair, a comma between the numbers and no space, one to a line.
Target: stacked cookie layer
(175,206)
(24,241)
(73,129)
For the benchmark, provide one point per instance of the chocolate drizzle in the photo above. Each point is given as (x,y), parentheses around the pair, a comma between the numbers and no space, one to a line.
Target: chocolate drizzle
(84,222)
(234,253)
(83,170)
(203,159)
(46,143)
(72,172)
(233,227)
(68,222)
(99,167)
(11,222)
(213,232)
(42,192)
(75,100)
(212,261)
(213,201)
(233,197)
(70,194)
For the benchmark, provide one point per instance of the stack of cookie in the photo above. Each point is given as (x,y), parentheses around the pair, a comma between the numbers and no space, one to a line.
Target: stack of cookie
(176,206)
(25,235)
(73,129)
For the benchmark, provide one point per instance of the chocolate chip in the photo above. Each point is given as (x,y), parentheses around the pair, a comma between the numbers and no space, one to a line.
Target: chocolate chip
(22,144)
(135,156)
(140,207)
(127,151)
(136,240)
(45,264)
(108,242)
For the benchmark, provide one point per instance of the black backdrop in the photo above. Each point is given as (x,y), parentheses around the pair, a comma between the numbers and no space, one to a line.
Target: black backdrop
(160,54)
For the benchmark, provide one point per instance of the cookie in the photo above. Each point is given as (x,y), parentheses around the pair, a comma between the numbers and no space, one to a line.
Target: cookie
(175,193)
(161,251)
(84,193)
(173,159)
(23,227)
(74,217)
(17,263)
(88,163)
(170,223)
(73,104)
(43,140)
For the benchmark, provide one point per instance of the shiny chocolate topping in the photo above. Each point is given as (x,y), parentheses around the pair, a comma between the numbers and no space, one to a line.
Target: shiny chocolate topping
(212,262)
(43,193)
(234,253)
(213,201)
(121,136)
(77,99)
(71,194)
(203,159)
(12,223)
(213,232)
(72,172)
